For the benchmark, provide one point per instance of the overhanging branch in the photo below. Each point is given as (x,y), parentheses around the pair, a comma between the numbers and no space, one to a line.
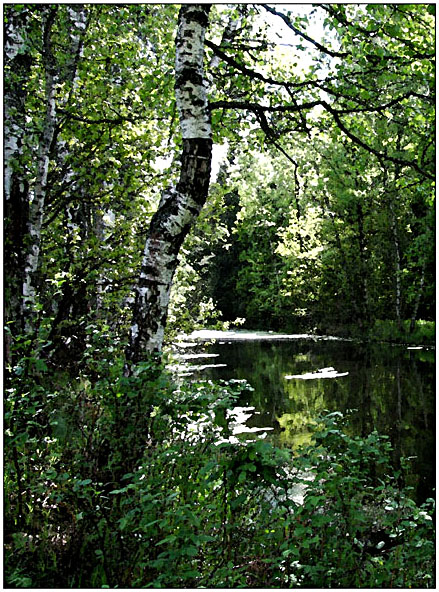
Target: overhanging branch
(259,110)
(319,46)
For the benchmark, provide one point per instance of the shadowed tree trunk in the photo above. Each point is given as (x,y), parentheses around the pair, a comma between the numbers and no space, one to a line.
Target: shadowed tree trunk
(179,206)
(17,66)
(36,208)
(55,72)
(397,249)
(417,299)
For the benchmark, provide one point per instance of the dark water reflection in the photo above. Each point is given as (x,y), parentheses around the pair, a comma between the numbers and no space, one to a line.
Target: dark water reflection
(391,388)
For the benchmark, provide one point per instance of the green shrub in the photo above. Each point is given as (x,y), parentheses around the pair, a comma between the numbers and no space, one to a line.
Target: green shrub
(356,528)
(140,482)
(423,332)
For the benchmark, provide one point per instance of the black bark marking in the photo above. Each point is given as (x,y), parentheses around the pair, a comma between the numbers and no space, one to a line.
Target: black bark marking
(188,74)
(179,206)
(197,13)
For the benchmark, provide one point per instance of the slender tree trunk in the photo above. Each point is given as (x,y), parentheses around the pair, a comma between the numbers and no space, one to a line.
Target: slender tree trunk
(17,65)
(397,265)
(53,71)
(99,232)
(229,34)
(346,267)
(179,206)
(36,209)
(364,265)
(418,300)
(394,226)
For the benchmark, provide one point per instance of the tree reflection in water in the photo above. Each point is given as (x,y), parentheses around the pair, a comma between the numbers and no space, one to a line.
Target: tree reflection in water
(391,389)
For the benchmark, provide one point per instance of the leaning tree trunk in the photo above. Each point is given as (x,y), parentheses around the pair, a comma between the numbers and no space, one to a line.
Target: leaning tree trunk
(179,206)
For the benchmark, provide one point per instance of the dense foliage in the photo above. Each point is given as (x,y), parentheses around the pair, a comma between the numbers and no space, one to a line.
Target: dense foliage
(311,256)
(329,214)
(321,216)
(136,482)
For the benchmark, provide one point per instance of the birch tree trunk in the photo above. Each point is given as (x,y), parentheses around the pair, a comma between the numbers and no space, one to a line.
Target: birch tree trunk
(365,305)
(417,300)
(36,208)
(52,74)
(395,233)
(394,225)
(179,206)
(17,66)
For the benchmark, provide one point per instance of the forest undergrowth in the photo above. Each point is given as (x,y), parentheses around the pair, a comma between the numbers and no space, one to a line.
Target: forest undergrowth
(136,482)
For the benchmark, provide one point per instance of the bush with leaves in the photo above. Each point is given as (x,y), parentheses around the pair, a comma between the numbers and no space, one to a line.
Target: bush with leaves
(356,527)
(140,482)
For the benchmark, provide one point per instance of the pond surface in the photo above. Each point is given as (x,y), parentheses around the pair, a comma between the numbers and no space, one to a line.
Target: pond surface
(390,387)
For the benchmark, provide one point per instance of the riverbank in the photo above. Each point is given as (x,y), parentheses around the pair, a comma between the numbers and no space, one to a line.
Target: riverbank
(146,483)
(244,335)
(423,332)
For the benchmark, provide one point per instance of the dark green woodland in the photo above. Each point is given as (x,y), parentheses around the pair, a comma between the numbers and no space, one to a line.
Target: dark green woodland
(171,168)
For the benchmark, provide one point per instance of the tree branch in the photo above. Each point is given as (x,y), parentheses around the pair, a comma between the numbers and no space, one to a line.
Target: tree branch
(252,73)
(381,156)
(337,54)
(261,109)
(244,105)
(116,121)
(327,51)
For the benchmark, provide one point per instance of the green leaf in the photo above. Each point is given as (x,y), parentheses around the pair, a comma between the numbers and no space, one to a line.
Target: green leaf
(169,539)
(191,551)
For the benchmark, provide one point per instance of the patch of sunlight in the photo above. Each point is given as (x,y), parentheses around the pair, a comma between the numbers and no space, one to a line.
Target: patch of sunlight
(321,373)
(295,493)
(186,370)
(196,356)
(242,429)
(207,334)
(205,366)
(237,418)
(242,335)
(240,414)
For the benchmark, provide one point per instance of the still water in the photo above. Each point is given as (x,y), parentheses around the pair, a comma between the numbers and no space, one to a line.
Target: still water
(390,387)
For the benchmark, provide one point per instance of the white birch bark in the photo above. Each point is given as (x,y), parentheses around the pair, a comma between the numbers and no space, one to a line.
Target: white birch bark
(36,208)
(397,265)
(180,205)
(190,91)
(228,35)
(77,17)
(418,299)
(15,46)
(17,66)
